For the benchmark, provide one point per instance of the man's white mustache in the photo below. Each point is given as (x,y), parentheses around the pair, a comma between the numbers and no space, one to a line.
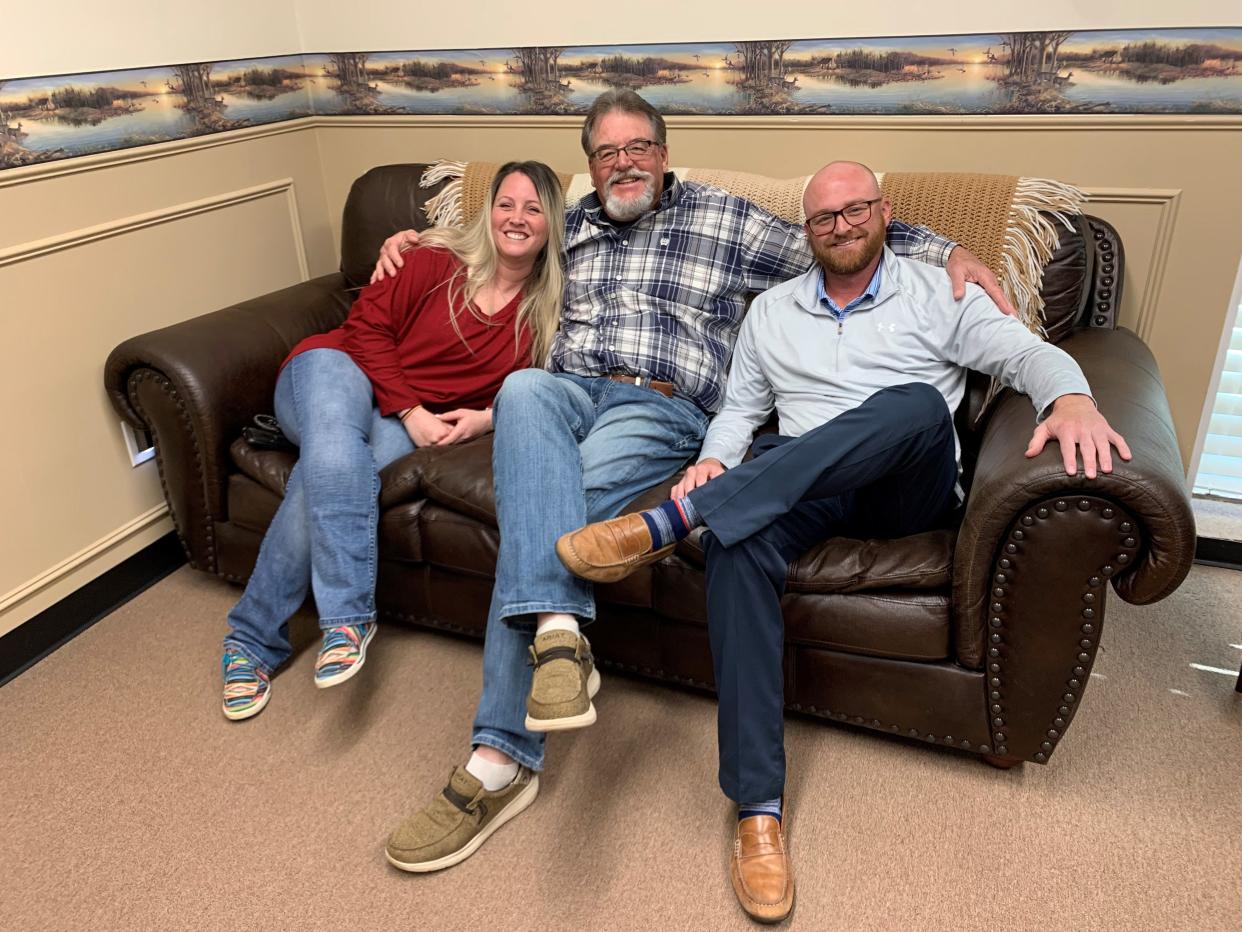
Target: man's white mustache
(628,176)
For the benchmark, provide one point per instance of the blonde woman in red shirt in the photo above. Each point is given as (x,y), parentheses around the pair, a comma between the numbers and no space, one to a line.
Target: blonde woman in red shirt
(417,363)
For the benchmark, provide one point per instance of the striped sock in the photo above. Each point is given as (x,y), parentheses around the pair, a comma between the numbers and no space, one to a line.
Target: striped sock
(670,522)
(772,807)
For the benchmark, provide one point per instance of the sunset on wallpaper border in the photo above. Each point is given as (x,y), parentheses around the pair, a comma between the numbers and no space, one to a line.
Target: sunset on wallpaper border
(1165,71)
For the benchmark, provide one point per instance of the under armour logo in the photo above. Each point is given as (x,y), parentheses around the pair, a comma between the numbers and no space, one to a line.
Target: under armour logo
(886,328)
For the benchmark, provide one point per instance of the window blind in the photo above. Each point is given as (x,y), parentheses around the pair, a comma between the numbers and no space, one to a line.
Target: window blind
(1220,466)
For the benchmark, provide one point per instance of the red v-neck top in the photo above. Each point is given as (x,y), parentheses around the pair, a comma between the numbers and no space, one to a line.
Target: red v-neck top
(399,333)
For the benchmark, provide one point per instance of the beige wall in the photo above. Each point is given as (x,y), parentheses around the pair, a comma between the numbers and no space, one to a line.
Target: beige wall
(93,251)
(401,24)
(76,36)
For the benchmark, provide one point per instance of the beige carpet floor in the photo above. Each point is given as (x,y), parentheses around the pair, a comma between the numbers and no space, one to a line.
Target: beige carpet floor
(129,802)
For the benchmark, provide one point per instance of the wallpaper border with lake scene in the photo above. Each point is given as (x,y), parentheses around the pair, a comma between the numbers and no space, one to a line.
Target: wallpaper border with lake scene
(1130,71)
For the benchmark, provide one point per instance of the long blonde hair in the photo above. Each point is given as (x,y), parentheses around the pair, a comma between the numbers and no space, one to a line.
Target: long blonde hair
(540,309)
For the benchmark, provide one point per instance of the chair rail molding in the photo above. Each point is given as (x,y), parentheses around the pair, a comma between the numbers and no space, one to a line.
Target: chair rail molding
(130,224)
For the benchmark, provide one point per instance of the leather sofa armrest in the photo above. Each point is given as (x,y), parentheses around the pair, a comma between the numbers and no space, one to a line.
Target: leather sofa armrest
(1038,549)
(1152,486)
(194,385)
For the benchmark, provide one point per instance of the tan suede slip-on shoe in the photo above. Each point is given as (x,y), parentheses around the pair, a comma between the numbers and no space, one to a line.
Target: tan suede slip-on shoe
(458,821)
(760,869)
(609,550)
(564,683)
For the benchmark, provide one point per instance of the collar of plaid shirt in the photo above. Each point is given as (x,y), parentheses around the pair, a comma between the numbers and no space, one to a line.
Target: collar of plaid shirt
(663,297)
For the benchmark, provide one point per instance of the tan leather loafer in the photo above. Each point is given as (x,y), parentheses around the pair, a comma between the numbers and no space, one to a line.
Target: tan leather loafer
(760,869)
(609,550)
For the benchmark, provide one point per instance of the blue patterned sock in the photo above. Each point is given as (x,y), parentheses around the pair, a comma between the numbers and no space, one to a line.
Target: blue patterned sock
(670,522)
(772,807)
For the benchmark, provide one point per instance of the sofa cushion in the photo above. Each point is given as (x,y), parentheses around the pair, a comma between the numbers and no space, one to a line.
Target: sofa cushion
(1067,278)
(460,478)
(841,564)
(900,625)
(400,535)
(386,199)
(910,625)
(269,468)
(460,543)
(400,481)
(251,504)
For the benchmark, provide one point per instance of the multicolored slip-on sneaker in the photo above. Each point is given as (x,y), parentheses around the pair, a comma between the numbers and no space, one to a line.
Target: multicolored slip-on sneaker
(343,653)
(246,687)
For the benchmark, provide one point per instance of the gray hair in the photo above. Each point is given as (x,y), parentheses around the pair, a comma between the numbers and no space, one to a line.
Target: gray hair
(625,101)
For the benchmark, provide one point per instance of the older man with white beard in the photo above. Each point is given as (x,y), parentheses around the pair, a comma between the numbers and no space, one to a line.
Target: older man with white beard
(657,273)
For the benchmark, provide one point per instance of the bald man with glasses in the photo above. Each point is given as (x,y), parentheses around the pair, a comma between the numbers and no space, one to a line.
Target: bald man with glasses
(864,358)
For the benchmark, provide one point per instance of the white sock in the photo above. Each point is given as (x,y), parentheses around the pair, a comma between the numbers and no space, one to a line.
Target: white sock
(557,622)
(494,776)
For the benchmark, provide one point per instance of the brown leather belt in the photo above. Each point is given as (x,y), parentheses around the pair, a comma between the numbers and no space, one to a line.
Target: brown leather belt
(664,388)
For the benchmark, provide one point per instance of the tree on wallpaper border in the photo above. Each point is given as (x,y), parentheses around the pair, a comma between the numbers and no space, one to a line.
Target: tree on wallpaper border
(764,81)
(541,79)
(200,98)
(354,83)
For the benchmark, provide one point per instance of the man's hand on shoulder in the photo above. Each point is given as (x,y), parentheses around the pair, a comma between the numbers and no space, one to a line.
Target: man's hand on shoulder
(965,267)
(390,254)
(697,475)
(1076,424)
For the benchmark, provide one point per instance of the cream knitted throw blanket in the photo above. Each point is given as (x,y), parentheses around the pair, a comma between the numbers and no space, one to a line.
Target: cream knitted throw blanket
(1005,220)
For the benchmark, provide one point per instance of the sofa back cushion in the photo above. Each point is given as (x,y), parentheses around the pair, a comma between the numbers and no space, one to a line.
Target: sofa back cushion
(1067,281)
(381,202)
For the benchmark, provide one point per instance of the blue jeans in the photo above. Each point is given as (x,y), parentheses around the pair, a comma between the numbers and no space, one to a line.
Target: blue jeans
(323,536)
(568,450)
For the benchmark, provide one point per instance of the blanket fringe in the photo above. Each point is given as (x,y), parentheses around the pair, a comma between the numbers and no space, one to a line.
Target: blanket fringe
(445,209)
(1030,240)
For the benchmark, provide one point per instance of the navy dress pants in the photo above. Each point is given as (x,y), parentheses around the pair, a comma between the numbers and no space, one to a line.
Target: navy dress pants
(887,468)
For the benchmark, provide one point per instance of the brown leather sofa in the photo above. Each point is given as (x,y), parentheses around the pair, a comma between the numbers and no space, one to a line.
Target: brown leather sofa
(981,637)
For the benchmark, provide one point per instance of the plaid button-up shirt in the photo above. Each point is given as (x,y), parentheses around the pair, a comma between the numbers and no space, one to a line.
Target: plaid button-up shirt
(663,297)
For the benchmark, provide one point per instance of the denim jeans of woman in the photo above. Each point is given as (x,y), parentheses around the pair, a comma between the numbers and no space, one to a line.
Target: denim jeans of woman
(323,537)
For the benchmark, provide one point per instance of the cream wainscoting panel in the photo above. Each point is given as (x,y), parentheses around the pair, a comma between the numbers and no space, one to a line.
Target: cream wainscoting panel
(73,504)
(47,199)
(1146,220)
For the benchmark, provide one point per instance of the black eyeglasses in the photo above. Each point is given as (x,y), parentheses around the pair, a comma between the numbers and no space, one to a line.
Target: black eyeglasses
(639,148)
(855,215)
